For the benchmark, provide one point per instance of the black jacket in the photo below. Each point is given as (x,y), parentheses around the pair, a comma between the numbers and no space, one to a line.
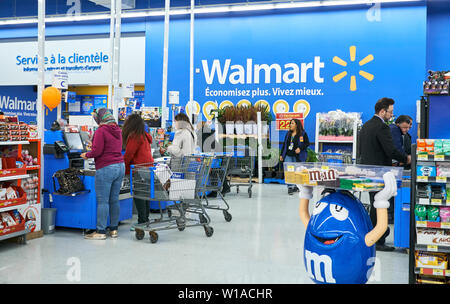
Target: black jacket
(376,146)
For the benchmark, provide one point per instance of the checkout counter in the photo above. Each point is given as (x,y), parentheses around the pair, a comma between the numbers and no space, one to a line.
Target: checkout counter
(62,150)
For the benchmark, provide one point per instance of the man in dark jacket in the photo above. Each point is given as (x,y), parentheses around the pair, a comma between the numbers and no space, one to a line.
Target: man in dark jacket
(377,148)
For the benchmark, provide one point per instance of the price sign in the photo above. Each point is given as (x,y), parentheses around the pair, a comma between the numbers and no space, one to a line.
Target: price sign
(421,224)
(436,201)
(432,248)
(284,120)
(422,157)
(441,179)
(439,157)
(422,178)
(445,225)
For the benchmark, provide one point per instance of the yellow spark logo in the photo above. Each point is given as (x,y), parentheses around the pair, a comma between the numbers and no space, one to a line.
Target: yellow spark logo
(343,63)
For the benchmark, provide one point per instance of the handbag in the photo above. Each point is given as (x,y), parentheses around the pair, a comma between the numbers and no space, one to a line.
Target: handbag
(69,181)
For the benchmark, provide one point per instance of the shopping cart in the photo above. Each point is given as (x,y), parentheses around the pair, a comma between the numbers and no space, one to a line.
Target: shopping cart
(178,180)
(242,166)
(217,176)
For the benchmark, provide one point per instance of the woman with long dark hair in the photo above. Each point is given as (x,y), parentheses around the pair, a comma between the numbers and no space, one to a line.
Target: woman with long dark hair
(138,151)
(295,146)
(184,139)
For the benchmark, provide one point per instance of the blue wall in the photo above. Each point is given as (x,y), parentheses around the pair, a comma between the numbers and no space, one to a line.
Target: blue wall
(401,42)
(438,59)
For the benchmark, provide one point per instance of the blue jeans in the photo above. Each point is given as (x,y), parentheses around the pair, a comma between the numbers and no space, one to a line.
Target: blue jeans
(108,181)
(290,159)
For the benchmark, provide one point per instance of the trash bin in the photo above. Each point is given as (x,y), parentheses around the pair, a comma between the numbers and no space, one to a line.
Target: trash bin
(48,220)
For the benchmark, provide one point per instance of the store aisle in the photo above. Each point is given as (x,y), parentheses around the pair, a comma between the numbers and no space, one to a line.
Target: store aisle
(262,244)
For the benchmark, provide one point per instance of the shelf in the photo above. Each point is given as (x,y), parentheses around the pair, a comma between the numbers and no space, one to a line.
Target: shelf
(434,158)
(432,248)
(335,141)
(433,179)
(429,224)
(3,209)
(14,234)
(432,272)
(433,202)
(33,167)
(9,143)
(13,177)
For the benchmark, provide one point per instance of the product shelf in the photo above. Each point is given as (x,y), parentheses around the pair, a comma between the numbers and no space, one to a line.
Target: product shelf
(432,272)
(433,202)
(433,248)
(18,233)
(433,158)
(11,143)
(13,177)
(429,224)
(427,236)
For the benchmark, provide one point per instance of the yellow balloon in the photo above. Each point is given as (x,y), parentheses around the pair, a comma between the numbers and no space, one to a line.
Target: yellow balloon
(51,97)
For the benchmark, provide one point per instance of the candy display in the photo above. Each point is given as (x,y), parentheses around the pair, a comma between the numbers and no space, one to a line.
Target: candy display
(426,171)
(444,213)
(420,212)
(29,159)
(437,83)
(13,130)
(433,214)
(31,187)
(433,147)
(435,260)
(340,176)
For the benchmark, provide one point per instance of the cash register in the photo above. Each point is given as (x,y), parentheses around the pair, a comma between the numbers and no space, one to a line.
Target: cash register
(62,150)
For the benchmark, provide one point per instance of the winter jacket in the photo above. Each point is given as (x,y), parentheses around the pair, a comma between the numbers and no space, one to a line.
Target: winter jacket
(106,146)
(183,143)
(299,141)
(138,151)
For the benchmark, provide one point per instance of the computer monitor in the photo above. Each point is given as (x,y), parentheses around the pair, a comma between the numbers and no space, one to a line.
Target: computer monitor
(73,141)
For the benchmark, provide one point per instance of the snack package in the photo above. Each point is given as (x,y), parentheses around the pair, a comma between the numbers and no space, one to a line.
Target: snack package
(433,214)
(443,170)
(426,171)
(434,260)
(2,194)
(11,193)
(421,212)
(444,213)
(8,219)
(16,216)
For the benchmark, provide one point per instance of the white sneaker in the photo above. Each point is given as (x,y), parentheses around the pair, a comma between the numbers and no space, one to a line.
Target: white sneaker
(95,236)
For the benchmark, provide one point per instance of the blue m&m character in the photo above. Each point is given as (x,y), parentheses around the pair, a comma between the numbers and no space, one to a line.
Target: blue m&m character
(340,240)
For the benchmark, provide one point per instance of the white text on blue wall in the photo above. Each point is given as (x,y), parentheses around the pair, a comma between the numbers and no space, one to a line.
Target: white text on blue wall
(251,73)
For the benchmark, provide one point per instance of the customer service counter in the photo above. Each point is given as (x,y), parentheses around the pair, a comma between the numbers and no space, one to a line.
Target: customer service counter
(76,210)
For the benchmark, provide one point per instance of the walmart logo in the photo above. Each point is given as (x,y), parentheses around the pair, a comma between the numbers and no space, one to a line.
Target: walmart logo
(362,73)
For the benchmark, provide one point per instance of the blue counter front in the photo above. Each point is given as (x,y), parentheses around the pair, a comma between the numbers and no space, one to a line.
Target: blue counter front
(78,211)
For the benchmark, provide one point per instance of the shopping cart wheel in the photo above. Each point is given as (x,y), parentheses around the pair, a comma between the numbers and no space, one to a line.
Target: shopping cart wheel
(227,216)
(208,230)
(169,213)
(180,224)
(237,189)
(153,237)
(139,234)
(202,219)
(250,193)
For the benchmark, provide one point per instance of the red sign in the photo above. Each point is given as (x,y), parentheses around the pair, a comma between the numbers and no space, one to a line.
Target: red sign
(284,120)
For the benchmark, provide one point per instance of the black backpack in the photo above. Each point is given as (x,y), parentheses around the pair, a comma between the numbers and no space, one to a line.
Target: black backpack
(69,181)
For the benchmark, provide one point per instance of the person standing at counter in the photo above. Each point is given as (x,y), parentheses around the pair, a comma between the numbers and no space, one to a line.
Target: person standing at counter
(138,151)
(295,147)
(110,170)
(184,140)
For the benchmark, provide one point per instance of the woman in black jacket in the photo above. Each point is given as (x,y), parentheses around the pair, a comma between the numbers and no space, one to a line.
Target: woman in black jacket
(295,147)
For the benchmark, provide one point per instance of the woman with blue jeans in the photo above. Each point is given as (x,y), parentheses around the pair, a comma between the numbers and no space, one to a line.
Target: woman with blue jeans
(295,147)
(110,170)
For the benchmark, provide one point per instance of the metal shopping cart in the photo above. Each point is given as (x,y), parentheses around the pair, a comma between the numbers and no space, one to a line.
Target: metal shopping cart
(217,176)
(178,180)
(242,164)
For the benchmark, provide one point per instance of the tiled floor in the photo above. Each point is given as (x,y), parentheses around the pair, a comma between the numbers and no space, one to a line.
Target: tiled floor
(262,244)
